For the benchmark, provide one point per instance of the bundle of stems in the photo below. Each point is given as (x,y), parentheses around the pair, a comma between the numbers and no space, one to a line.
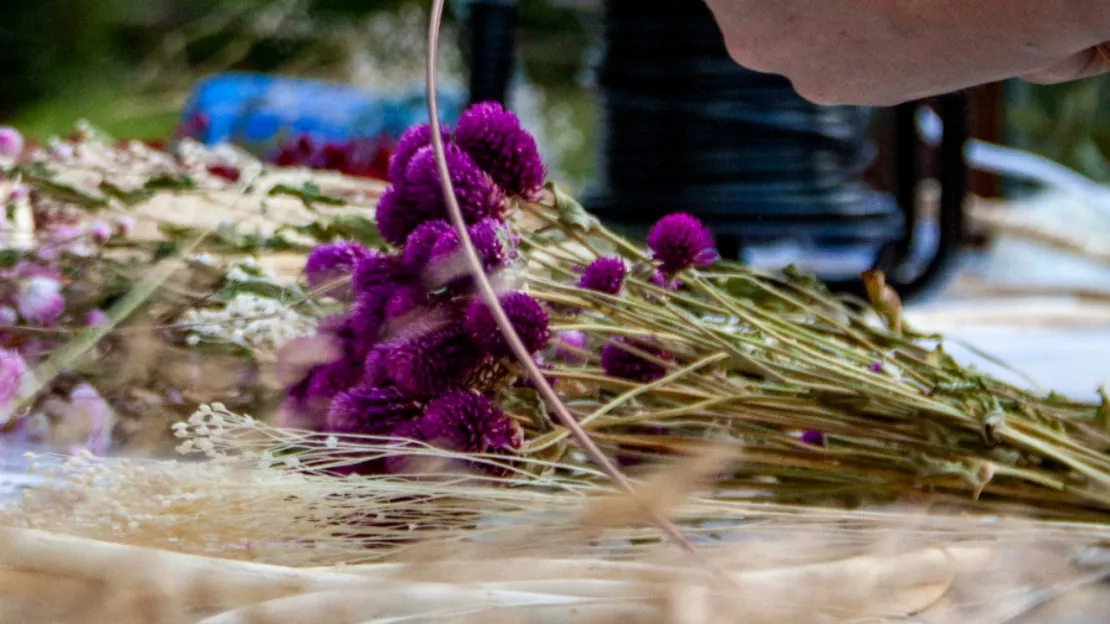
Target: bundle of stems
(756,359)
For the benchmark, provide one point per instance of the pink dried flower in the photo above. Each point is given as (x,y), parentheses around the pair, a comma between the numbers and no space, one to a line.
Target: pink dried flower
(604,275)
(124,226)
(680,241)
(12,372)
(96,317)
(89,404)
(569,344)
(494,138)
(526,315)
(100,232)
(622,363)
(40,300)
(11,142)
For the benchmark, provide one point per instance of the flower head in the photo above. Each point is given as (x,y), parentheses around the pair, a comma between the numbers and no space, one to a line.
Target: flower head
(363,326)
(433,363)
(617,361)
(12,374)
(875,367)
(479,198)
(568,344)
(375,270)
(331,261)
(604,275)
(327,380)
(11,142)
(446,263)
(526,315)
(680,241)
(412,141)
(812,438)
(397,216)
(374,367)
(96,317)
(40,300)
(8,315)
(405,299)
(100,232)
(88,403)
(124,225)
(418,245)
(462,422)
(370,410)
(494,138)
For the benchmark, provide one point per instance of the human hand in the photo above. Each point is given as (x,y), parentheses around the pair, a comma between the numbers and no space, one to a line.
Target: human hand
(884,52)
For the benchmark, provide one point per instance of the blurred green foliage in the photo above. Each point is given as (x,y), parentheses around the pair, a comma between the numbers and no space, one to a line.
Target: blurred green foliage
(1069,123)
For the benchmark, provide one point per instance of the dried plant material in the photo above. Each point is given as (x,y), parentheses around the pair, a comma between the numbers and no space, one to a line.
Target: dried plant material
(660,493)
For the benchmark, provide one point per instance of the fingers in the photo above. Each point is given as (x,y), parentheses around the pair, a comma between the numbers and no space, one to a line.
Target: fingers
(1090,62)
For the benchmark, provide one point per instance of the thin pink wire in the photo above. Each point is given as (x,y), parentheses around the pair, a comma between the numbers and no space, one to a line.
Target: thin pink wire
(489,295)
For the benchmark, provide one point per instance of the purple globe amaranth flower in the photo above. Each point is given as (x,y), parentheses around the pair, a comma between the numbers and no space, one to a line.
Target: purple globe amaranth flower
(89,404)
(478,196)
(412,141)
(447,265)
(12,374)
(462,422)
(569,344)
(366,319)
(100,232)
(331,261)
(374,371)
(433,363)
(327,380)
(11,142)
(374,271)
(370,410)
(680,241)
(96,318)
(404,300)
(526,315)
(494,138)
(397,216)
(124,225)
(40,300)
(812,438)
(875,367)
(604,275)
(419,244)
(619,362)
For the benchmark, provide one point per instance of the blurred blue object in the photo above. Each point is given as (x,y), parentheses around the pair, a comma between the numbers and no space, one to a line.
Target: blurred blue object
(260,112)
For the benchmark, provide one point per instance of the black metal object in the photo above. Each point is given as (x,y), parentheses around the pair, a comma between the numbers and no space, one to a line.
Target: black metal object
(684,128)
(492,48)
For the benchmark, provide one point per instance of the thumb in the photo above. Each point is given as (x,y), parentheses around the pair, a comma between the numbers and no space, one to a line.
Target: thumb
(1090,62)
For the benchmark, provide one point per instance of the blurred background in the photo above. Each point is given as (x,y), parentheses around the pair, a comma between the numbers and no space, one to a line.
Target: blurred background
(627,100)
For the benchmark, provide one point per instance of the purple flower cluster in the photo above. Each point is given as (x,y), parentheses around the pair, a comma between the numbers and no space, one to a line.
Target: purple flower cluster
(617,360)
(680,241)
(415,337)
(604,275)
